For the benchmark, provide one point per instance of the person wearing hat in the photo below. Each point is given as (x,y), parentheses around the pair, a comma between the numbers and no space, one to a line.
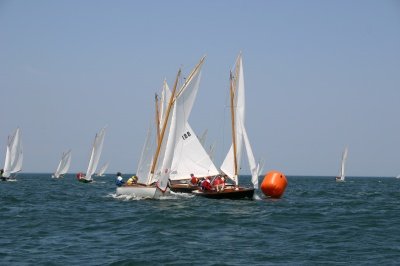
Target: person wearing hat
(119,181)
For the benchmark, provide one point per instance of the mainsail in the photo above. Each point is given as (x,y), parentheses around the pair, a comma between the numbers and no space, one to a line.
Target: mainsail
(14,154)
(64,164)
(103,169)
(231,164)
(174,120)
(95,155)
(342,165)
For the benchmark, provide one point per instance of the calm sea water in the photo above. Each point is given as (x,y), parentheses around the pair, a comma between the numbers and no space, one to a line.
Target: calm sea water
(45,221)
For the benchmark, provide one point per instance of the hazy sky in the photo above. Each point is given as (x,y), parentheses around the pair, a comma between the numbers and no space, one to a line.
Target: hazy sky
(319,75)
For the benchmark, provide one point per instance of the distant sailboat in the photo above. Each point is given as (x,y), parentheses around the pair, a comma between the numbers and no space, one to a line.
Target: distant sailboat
(342,176)
(103,169)
(63,165)
(14,156)
(94,157)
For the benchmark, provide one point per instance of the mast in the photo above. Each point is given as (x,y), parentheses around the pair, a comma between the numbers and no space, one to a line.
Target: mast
(171,102)
(157,118)
(173,98)
(189,78)
(232,94)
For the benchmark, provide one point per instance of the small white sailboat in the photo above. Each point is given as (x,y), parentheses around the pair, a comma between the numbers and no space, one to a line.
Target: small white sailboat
(103,169)
(342,176)
(94,157)
(63,165)
(14,156)
(231,165)
(154,168)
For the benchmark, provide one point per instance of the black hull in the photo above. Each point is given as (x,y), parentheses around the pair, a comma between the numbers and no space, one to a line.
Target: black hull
(85,181)
(241,193)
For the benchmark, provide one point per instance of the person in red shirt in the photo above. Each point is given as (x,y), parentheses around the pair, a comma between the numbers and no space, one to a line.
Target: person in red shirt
(219,183)
(193,180)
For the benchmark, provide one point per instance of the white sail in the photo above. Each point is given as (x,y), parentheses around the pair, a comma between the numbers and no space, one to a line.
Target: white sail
(145,160)
(239,130)
(95,155)
(254,167)
(103,169)
(190,157)
(14,154)
(238,102)
(342,174)
(183,104)
(172,119)
(165,98)
(64,164)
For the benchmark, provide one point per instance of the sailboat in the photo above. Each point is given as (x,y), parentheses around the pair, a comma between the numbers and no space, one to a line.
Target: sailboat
(154,167)
(94,157)
(14,157)
(341,177)
(103,169)
(63,165)
(190,157)
(230,166)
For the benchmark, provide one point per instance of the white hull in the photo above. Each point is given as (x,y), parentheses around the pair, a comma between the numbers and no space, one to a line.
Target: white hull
(146,192)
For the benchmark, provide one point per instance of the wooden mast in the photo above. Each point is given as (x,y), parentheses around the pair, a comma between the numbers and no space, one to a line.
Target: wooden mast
(157,118)
(171,102)
(232,94)
(189,78)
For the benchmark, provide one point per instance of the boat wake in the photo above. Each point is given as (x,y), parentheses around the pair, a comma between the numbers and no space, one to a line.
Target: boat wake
(171,196)
(256,197)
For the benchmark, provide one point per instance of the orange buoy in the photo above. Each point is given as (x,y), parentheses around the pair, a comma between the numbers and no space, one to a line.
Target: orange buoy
(274,184)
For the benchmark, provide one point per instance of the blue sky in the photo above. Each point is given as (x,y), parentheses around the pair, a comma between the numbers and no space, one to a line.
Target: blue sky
(319,75)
